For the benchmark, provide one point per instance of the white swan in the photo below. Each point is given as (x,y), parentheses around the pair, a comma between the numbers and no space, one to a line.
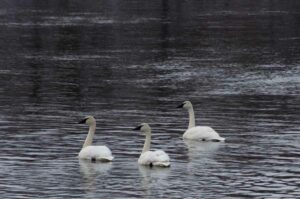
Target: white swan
(204,133)
(93,153)
(151,158)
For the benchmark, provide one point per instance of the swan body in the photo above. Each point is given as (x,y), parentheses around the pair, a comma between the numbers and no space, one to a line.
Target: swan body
(151,158)
(156,158)
(93,153)
(101,153)
(203,133)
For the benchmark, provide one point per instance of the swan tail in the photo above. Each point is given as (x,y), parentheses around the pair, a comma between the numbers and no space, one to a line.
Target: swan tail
(219,139)
(162,164)
(105,159)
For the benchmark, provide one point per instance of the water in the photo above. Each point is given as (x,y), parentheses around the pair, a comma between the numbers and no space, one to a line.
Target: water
(127,62)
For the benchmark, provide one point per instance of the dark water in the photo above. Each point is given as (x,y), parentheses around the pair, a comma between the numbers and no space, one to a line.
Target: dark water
(127,62)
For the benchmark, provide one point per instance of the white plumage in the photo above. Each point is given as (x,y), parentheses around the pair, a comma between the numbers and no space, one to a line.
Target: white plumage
(203,133)
(156,158)
(151,158)
(101,153)
(93,153)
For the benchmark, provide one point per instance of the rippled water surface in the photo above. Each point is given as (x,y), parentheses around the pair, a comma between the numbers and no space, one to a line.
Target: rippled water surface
(127,62)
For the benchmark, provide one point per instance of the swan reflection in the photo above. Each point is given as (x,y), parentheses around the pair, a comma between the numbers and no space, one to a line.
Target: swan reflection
(201,155)
(196,148)
(154,177)
(91,170)
(91,173)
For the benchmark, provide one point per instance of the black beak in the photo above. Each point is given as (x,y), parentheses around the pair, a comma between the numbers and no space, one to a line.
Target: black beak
(137,128)
(180,106)
(82,121)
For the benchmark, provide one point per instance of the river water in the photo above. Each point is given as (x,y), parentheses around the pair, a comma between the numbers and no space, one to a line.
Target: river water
(127,62)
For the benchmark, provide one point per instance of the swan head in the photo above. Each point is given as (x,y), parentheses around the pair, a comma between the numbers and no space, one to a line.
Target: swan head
(186,105)
(143,127)
(89,120)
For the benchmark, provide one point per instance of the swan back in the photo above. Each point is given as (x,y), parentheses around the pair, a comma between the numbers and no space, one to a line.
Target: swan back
(155,158)
(204,133)
(101,153)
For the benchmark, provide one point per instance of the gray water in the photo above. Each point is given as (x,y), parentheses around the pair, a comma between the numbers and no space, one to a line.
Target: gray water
(127,62)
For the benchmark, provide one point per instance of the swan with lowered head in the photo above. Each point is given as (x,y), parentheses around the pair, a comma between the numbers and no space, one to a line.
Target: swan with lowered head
(93,153)
(204,133)
(151,158)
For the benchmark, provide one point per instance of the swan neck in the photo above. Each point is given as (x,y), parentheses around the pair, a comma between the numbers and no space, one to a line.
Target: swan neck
(191,118)
(147,142)
(89,138)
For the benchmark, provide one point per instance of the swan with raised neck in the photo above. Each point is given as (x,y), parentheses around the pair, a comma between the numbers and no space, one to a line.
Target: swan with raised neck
(204,133)
(89,120)
(151,158)
(89,151)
